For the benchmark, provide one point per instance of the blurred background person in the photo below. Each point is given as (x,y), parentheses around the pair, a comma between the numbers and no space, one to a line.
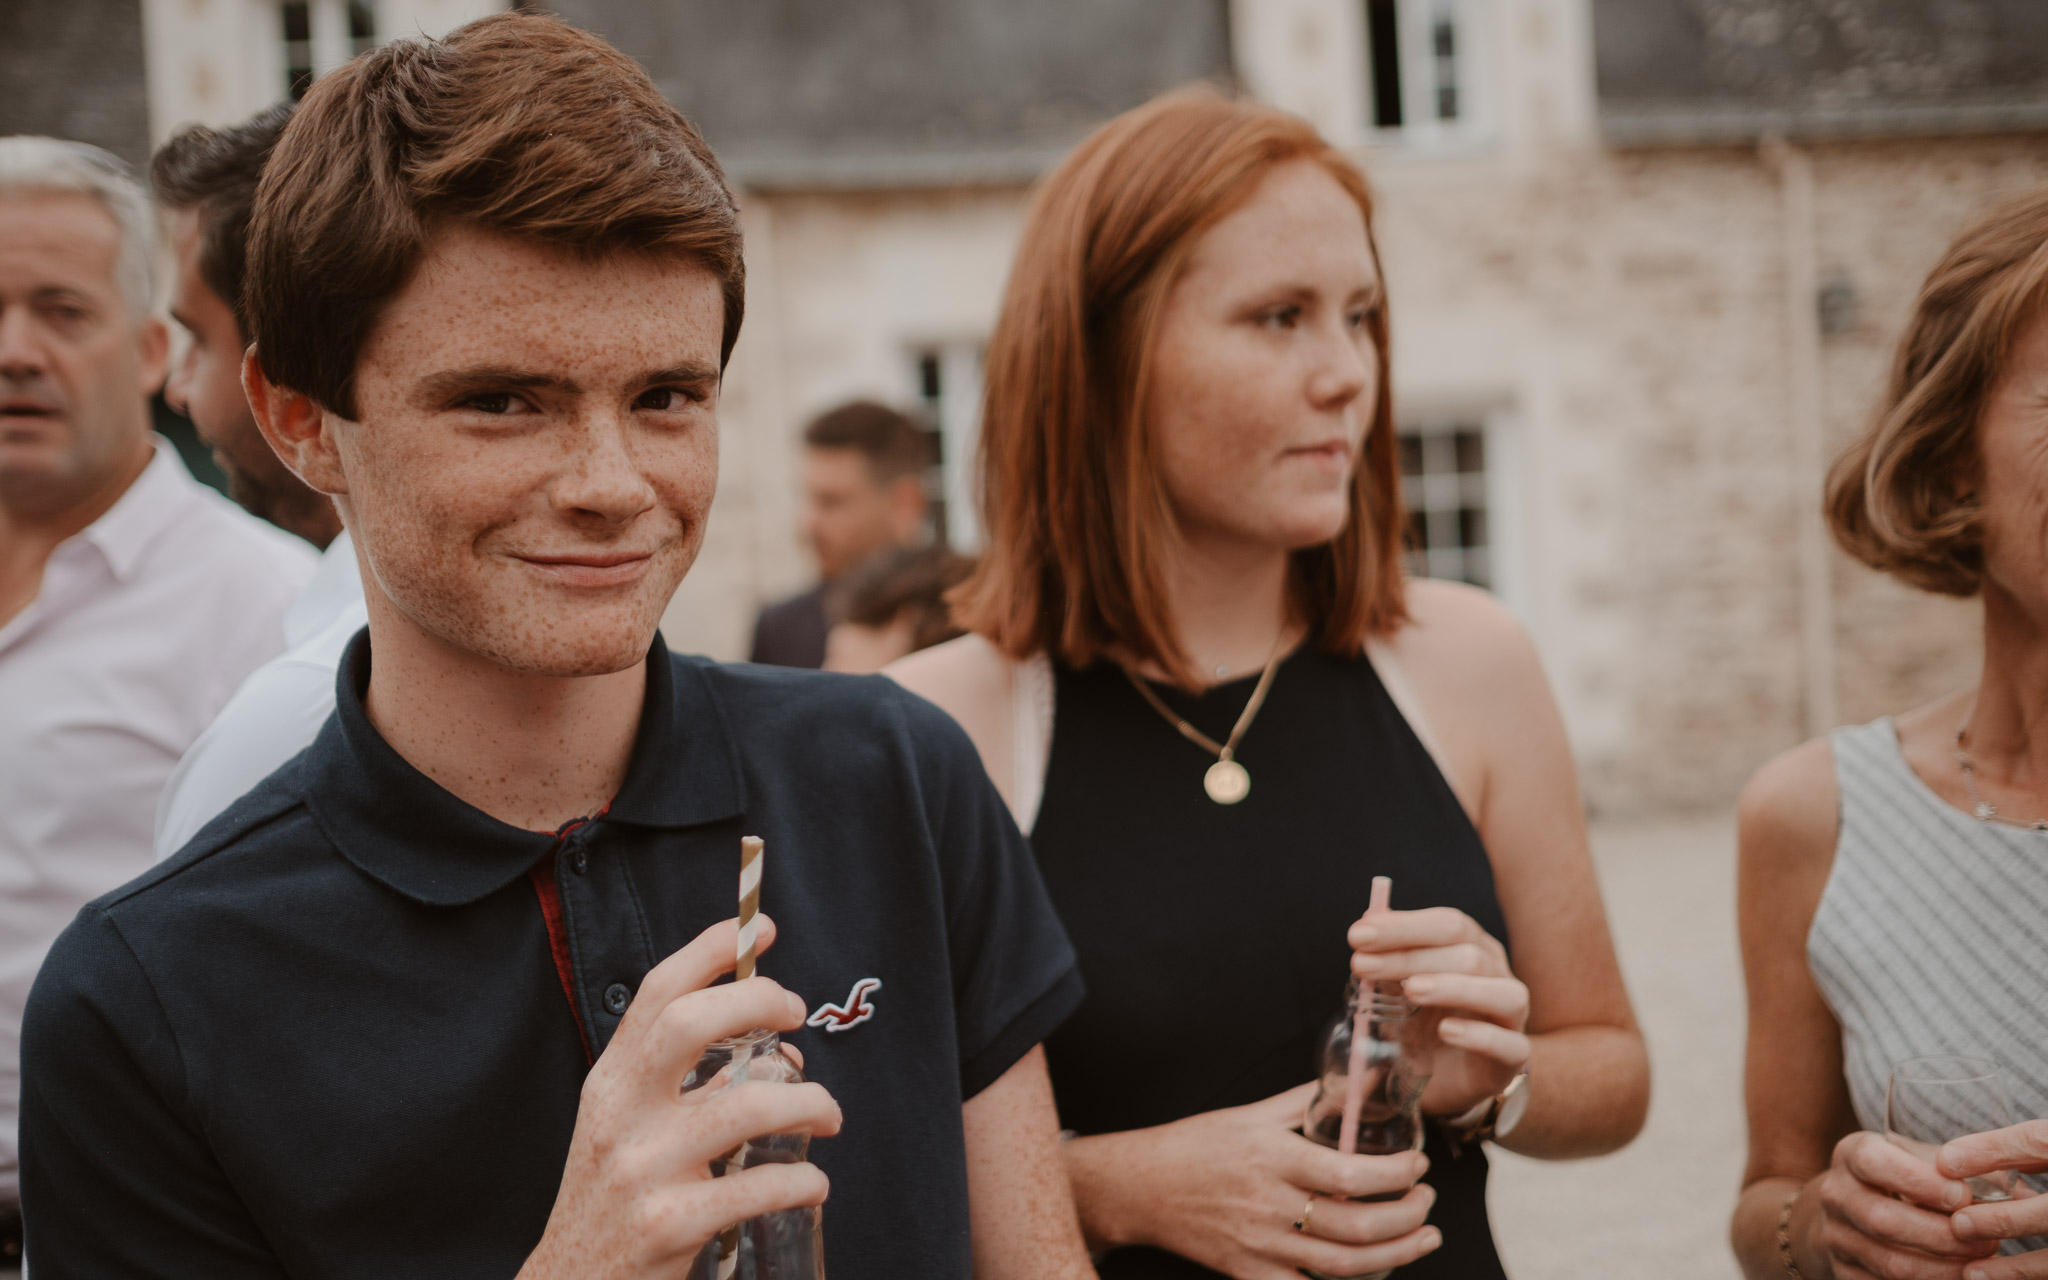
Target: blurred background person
(892,605)
(864,466)
(1193,522)
(1894,877)
(132,599)
(205,180)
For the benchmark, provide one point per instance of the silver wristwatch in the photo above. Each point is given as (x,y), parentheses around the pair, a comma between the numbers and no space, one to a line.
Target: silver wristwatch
(1493,1119)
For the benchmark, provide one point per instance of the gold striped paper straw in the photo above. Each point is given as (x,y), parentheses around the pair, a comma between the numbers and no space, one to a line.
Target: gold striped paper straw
(750,908)
(750,902)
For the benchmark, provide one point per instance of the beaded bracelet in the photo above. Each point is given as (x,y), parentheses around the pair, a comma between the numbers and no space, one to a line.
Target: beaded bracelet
(1785,1236)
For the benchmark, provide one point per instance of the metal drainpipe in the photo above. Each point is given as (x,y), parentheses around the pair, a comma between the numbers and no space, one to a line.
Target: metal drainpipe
(1807,430)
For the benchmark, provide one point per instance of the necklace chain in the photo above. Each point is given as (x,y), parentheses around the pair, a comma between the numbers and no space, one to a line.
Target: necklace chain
(1983,809)
(1226,750)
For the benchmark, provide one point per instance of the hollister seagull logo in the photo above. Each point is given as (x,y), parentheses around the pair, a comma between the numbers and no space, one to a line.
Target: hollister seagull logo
(855,1011)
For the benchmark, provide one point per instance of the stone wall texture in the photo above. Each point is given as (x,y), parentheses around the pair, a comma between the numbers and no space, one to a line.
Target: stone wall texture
(74,70)
(1633,304)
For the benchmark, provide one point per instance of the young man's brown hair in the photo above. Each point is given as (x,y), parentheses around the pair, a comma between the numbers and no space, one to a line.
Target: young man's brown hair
(512,123)
(215,171)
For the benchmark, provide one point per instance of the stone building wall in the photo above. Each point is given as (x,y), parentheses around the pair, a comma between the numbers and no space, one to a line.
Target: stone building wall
(75,71)
(1632,303)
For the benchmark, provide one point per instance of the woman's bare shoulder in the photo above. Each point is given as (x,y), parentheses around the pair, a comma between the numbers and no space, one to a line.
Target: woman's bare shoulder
(1462,647)
(962,674)
(1787,821)
(970,680)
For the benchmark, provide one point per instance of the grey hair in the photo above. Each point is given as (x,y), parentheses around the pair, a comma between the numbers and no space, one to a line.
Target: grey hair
(53,164)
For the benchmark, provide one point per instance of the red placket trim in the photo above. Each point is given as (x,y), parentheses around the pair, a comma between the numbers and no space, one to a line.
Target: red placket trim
(542,874)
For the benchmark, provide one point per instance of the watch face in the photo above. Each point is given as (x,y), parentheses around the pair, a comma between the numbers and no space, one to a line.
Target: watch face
(1511,1107)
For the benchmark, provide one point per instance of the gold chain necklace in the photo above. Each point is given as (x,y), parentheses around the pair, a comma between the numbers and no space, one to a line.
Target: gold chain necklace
(1983,809)
(1226,781)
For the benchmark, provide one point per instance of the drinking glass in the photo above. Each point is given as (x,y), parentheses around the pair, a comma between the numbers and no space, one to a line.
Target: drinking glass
(1934,1100)
(785,1245)
(1393,1064)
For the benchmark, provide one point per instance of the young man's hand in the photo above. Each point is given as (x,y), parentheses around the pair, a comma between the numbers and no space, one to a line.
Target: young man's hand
(637,1198)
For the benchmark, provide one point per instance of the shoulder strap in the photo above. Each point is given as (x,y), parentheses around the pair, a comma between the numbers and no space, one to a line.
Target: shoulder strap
(1395,680)
(1031,709)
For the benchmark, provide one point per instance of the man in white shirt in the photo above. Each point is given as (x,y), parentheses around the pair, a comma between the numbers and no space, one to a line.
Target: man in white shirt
(205,179)
(132,599)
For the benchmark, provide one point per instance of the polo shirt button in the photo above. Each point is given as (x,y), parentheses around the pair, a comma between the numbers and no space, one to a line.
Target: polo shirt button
(616,997)
(579,861)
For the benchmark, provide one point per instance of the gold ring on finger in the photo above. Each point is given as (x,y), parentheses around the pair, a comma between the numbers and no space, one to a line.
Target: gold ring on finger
(1301,1223)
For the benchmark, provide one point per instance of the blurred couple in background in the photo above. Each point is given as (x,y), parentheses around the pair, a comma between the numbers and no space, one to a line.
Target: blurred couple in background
(884,567)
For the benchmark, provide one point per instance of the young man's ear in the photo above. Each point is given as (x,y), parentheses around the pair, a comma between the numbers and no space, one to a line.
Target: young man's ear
(297,428)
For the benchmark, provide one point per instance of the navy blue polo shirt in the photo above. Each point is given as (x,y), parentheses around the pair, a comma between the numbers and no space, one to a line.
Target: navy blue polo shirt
(332,1036)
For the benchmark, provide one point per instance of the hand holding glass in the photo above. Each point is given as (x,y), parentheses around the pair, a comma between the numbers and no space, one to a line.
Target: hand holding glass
(1933,1100)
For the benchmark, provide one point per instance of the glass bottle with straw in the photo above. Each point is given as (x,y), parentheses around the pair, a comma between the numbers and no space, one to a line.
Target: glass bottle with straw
(788,1244)
(1376,1060)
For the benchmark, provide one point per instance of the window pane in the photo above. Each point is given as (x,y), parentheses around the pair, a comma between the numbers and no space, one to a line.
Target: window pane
(1444,44)
(362,28)
(1443,482)
(1471,451)
(1410,449)
(1383,54)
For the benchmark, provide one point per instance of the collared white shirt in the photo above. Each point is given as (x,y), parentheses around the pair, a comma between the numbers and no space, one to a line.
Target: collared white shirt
(144,624)
(278,709)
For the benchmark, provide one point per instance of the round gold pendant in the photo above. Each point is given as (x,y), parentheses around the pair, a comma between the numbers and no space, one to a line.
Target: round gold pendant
(1227,782)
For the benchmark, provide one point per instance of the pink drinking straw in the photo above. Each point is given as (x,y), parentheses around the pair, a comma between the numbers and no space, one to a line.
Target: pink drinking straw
(1354,1075)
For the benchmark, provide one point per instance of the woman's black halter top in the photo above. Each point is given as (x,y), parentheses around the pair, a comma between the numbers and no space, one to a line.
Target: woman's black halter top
(1212,937)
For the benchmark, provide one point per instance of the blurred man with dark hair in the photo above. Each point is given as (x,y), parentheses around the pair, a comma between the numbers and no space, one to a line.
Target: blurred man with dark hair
(205,179)
(132,598)
(864,494)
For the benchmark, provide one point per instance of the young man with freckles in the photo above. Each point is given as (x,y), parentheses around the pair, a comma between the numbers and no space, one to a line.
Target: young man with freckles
(423,1001)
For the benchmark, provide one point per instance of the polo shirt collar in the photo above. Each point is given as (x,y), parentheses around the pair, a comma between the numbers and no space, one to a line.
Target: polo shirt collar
(128,528)
(406,831)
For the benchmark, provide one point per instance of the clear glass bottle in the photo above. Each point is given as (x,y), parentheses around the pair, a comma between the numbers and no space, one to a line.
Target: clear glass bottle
(1376,1060)
(787,1245)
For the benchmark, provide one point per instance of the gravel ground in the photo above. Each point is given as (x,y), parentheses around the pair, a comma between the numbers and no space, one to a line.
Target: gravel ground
(1660,1207)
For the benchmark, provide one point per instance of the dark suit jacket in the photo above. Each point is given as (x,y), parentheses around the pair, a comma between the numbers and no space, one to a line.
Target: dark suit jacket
(792,633)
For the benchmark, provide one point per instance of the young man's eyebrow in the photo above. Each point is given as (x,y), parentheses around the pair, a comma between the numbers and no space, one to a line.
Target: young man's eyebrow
(451,381)
(454,381)
(682,373)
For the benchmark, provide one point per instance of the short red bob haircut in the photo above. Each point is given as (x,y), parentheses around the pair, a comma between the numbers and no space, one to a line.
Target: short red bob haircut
(517,123)
(1077,518)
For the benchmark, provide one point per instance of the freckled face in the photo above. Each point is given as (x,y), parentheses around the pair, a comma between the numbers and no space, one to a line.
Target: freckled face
(537,449)
(2012,445)
(1265,372)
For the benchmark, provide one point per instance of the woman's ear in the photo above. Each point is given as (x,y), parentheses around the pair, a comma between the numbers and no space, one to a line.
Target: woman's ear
(300,432)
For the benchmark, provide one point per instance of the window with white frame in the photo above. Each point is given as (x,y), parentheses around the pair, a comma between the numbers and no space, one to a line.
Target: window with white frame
(1421,64)
(947,377)
(320,35)
(1445,483)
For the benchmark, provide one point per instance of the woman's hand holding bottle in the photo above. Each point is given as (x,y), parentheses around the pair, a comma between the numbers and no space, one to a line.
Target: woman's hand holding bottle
(1450,966)
(1224,1188)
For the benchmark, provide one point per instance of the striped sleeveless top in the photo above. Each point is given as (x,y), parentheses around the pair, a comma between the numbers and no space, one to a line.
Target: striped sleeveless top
(1930,932)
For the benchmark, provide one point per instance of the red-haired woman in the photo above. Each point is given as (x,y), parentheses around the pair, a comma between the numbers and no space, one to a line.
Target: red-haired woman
(1894,887)
(1200,680)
